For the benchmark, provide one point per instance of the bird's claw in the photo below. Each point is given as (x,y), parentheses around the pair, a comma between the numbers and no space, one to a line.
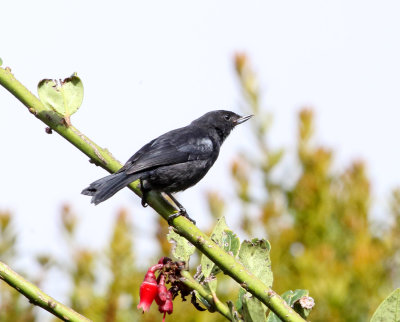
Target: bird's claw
(144,194)
(144,203)
(181,212)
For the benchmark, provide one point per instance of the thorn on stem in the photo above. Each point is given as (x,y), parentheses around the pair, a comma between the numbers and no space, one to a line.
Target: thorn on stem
(31,109)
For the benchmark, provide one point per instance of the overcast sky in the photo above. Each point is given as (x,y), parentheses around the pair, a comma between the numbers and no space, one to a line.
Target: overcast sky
(150,66)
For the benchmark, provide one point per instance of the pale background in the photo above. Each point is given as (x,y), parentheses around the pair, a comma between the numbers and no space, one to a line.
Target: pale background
(150,66)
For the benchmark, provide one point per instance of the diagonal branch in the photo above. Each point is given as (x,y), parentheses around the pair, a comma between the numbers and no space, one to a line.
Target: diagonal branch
(38,297)
(228,264)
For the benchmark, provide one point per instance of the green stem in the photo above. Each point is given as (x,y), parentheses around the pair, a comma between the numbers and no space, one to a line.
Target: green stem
(228,264)
(189,281)
(38,297)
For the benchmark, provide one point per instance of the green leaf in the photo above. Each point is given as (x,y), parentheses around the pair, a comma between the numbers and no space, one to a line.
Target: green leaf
(211,283)
(253,309)
(219,228)
(272,317)
(294,299)
(239,302)
(389,309)
(1,62)
(226,239)
(293,296)
(234,314)
(207,266)
(64,97)
(230,242)
(202,300)
(254,255)
(182,249)
(301,302)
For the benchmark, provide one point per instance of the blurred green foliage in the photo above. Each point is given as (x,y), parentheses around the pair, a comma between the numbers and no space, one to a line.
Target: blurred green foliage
(318,222)
(13,306)
(317,219)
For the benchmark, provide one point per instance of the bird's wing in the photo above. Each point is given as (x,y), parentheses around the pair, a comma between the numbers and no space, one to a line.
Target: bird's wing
(177,146)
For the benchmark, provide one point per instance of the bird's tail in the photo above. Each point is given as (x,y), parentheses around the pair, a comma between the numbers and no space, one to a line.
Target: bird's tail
(104,188)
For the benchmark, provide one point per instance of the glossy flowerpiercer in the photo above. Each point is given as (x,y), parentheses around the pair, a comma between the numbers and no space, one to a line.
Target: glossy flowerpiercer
(172,162)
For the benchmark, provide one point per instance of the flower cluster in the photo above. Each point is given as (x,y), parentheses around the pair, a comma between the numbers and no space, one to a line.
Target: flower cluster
(154,289)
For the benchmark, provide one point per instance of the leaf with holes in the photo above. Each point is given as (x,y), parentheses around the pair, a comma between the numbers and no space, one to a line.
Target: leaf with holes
(207,266)
(230,242)
(64,97)
(254,255)
(182,249)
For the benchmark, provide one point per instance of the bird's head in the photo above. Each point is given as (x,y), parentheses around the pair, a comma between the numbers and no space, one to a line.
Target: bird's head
(221,121)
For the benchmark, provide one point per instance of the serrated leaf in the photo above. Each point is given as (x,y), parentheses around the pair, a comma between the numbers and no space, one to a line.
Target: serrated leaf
(389,309)
(182,249)
(254,255)
(207,265)
(253,310)
(64,97)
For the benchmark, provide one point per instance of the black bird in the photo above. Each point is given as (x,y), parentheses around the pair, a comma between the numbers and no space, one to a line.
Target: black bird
(172,162)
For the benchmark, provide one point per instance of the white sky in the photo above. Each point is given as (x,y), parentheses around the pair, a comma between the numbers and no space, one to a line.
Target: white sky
(150,66)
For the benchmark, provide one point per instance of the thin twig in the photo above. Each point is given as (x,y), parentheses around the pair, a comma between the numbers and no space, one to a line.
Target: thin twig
(189,281)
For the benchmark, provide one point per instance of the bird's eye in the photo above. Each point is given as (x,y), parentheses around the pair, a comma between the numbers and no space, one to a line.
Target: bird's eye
(227,117)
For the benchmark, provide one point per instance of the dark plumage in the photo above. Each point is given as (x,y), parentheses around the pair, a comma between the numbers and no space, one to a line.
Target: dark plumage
(172,162)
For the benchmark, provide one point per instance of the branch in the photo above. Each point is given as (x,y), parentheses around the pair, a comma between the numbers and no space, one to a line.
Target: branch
(189,281)
(101,157)
(37,297)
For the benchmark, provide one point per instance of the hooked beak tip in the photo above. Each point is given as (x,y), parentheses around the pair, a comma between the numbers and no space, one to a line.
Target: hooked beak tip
(243,119)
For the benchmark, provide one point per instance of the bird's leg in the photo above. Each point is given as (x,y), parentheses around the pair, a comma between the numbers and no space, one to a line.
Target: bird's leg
(144,194)
(181,212)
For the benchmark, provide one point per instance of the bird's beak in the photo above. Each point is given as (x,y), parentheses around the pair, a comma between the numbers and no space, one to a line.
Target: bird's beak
(243,119)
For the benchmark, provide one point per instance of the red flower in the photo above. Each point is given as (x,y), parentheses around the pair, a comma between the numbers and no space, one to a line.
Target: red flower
(149,288)
(167,306)
(164,298)
(154,288)
(161,291)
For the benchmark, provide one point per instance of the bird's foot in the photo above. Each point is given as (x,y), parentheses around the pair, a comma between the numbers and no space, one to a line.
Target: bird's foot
(144,194)
(181,212)
(143,202)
